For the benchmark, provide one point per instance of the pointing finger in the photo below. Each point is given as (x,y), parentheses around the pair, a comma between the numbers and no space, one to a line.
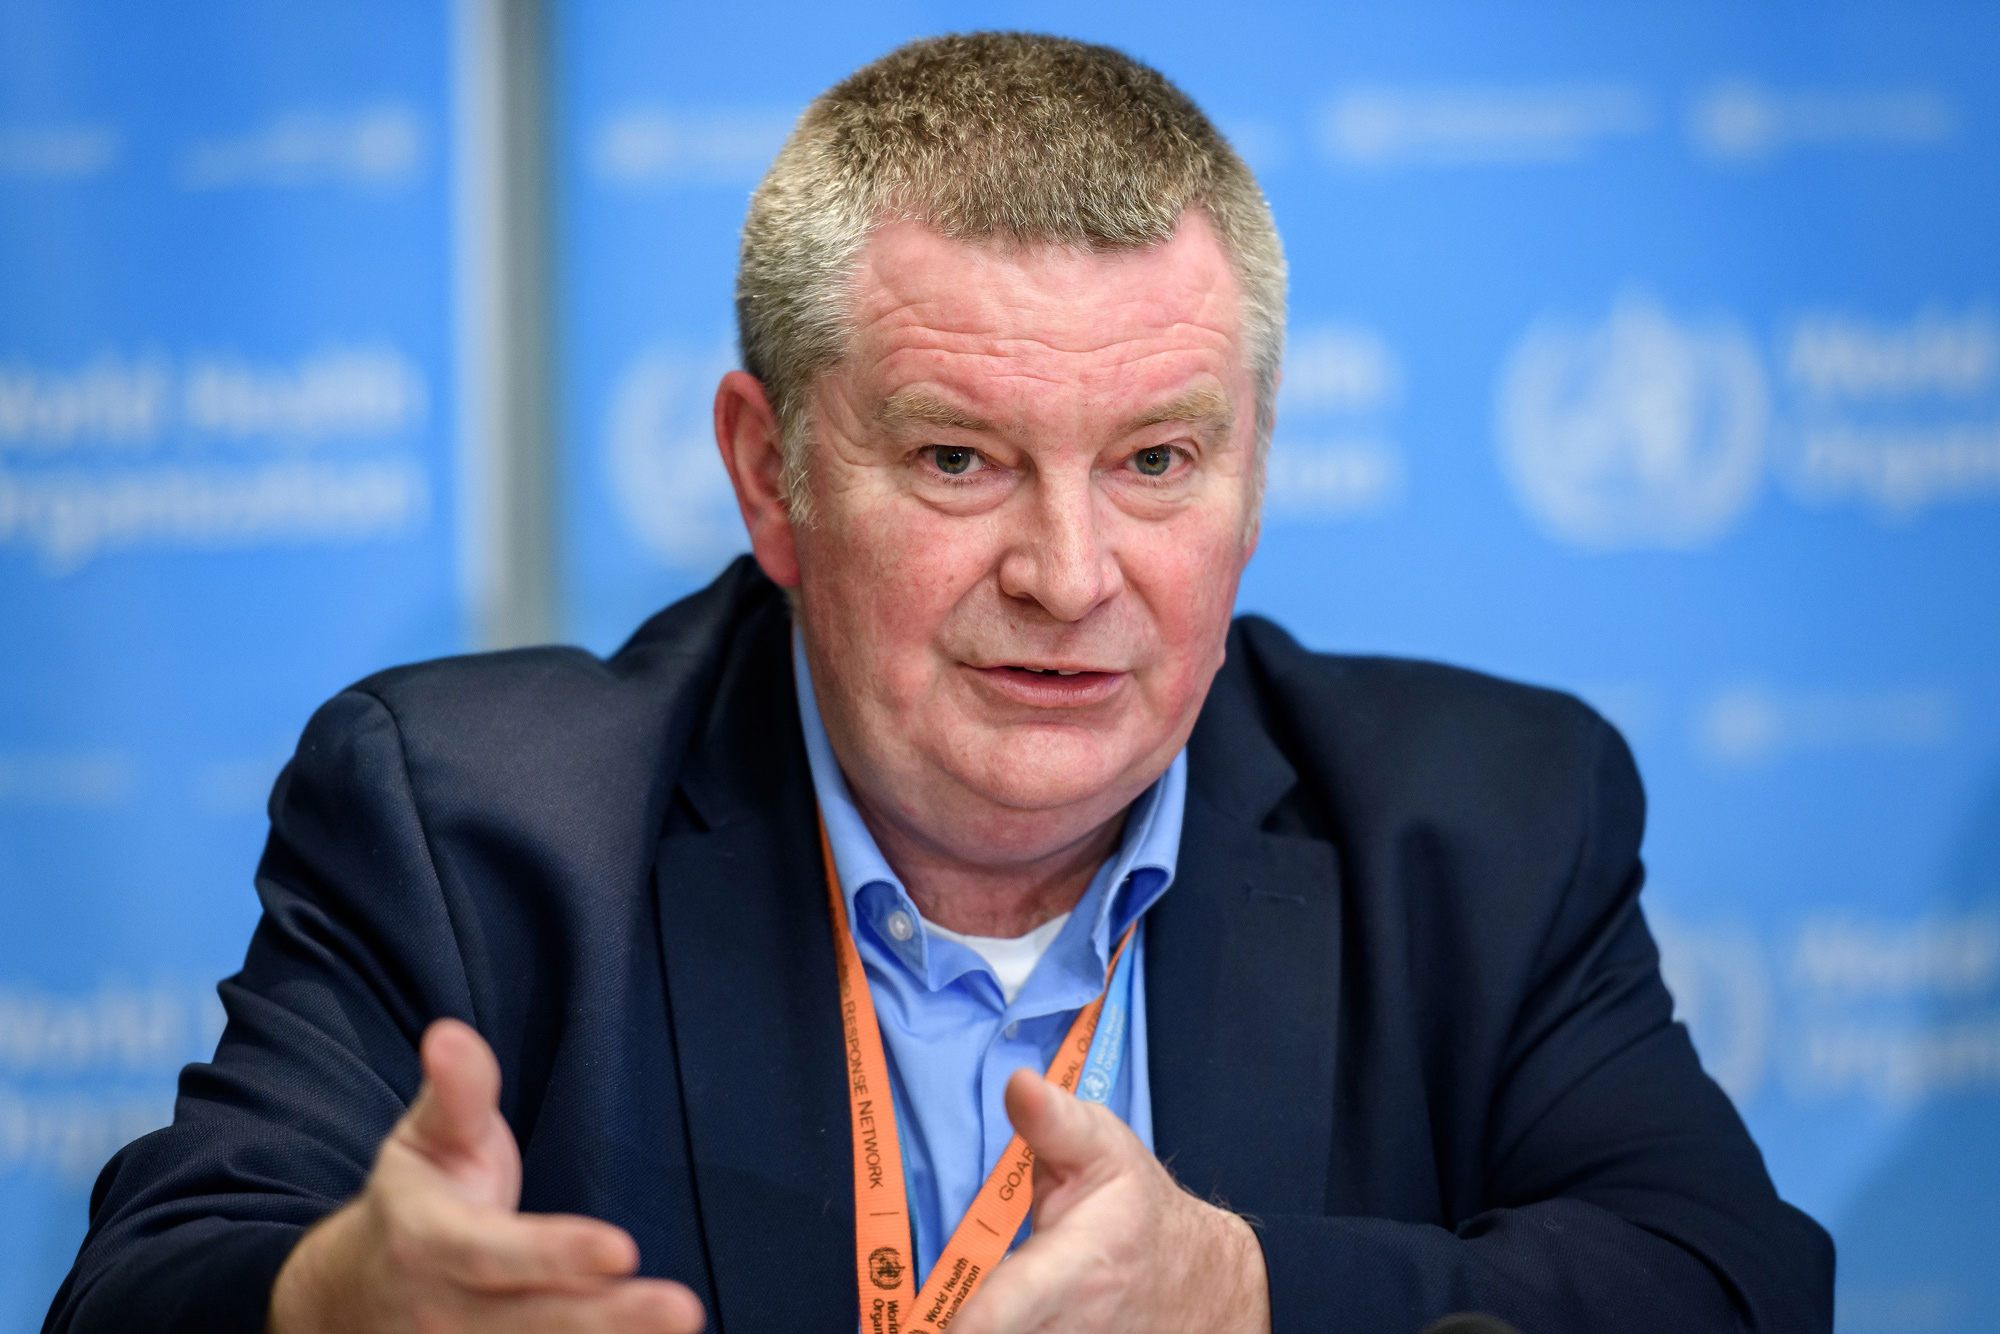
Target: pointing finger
(460,1095)
(653,1306)
(497,1253)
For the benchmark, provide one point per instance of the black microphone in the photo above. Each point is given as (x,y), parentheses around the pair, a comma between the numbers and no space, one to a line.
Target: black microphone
(1470,1322)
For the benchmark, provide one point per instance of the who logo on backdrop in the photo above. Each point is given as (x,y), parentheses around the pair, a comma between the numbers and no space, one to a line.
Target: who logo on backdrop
(668,486)
(1638,431)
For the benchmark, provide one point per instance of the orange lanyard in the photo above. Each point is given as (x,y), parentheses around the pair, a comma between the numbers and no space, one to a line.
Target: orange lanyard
(883,1255)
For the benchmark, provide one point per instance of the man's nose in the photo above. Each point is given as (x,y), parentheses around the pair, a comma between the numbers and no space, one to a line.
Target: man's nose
(1062,558)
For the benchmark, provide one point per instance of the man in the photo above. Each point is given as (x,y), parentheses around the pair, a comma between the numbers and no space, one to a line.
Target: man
(579,983)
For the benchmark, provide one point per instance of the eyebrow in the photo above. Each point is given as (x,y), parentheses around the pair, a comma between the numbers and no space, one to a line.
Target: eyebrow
(1197,405)
(914,407)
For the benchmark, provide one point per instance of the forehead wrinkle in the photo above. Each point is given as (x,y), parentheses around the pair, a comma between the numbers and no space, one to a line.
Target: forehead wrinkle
(947,321)
(929,351)
(1037,360)
(952,313)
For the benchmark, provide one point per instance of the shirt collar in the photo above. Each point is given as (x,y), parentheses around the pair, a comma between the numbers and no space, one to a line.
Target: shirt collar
(1128,884)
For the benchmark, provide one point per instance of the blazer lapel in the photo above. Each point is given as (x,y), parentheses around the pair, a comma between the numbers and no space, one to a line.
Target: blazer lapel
(748,949)
(1243,979)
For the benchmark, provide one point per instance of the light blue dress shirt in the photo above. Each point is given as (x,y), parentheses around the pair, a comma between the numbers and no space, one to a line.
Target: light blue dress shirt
(950,1036)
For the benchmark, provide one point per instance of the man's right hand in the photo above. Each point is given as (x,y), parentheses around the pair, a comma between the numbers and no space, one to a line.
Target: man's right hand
(434,1241)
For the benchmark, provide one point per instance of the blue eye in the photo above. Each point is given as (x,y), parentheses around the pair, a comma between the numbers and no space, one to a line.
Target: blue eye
(953,459)
(1154,462)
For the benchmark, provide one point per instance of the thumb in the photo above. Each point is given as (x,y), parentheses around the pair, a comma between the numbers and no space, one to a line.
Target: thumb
(452,1117)
(1067,1135)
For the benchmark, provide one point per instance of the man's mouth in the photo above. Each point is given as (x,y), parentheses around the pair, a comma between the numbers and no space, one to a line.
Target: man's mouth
(1044,686)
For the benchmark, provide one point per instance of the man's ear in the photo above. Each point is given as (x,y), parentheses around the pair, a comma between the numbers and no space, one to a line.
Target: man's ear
(746,431)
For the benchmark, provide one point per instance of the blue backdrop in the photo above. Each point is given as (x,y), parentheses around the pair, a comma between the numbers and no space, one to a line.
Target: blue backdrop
(1648,351)
(226,489)
(1652,352)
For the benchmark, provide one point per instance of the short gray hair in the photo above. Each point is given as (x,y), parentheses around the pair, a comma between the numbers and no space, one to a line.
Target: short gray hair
(1040,140)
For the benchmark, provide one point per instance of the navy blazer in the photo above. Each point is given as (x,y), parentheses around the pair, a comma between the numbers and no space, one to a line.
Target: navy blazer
(1402,1006)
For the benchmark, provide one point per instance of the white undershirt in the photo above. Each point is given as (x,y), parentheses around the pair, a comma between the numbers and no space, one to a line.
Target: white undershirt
(1011,959)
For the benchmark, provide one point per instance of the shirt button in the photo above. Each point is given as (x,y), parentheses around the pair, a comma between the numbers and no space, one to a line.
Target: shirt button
(900,926)
(1013,1030)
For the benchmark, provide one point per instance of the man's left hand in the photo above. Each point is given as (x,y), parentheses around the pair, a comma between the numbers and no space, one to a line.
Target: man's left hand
(1117,1244)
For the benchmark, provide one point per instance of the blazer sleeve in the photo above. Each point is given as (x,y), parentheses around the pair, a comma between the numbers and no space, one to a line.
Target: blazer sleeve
(354,954)
(1622,1190)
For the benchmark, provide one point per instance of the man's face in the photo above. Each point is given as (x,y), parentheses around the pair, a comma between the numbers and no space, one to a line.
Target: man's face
(1030,481)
